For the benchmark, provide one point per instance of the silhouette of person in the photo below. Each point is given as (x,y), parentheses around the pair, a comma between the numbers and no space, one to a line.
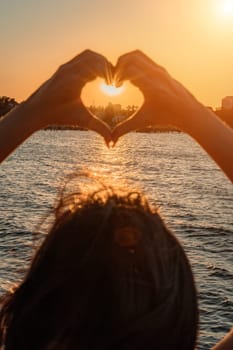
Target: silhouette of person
(109,274)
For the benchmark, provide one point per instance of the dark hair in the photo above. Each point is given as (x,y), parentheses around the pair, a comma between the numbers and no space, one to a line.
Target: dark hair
(109,275)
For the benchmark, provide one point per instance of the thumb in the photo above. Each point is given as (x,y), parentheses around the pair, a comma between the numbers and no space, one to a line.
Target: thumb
(101,128)
(137,121)
(85,119)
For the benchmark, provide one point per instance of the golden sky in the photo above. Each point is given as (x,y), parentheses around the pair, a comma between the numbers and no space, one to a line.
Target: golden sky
(191,38)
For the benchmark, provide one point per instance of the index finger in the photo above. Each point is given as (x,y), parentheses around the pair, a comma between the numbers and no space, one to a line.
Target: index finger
(95,63)
(141,63)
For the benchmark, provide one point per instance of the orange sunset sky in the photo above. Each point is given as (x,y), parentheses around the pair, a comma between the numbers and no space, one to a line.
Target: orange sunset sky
(193,39)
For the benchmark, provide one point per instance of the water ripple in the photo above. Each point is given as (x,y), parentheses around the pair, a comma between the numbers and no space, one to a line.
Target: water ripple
(193,195)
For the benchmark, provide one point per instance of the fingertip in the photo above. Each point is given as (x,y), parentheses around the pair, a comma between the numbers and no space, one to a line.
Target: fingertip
(107,142)
(118,82)
(111,144)
(109,74)
(118,77)
(115,137)
(108,139)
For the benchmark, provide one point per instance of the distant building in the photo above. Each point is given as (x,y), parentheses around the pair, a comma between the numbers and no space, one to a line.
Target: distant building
(226,111)
(227,103)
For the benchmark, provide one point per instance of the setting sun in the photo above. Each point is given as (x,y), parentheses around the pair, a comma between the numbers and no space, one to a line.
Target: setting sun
(227,8)
(111,90)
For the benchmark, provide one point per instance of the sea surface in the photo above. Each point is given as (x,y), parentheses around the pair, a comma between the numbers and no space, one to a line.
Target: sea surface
(194,196)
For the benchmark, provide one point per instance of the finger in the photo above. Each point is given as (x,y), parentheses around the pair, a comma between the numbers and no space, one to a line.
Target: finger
(95,67)
(139,78)
(130,70)
(153,86)
(101,128)
(85,119)
(138,59)
(138,121)
(142,63)
(83,55)
(137,56)
(93,64)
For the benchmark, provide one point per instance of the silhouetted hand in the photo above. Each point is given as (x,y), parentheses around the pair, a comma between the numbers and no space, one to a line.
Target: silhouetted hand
(58,102)
(166,101)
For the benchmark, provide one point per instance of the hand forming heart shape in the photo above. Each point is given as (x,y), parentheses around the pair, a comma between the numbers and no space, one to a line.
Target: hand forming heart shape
(166,102)
(58,101)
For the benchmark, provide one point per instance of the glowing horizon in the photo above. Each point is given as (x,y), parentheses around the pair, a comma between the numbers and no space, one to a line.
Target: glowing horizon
(228,7)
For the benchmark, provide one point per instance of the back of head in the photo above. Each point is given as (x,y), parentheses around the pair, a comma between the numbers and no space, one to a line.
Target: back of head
(109,275)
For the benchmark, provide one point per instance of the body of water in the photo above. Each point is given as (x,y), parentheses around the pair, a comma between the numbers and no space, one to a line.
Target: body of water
(194,196)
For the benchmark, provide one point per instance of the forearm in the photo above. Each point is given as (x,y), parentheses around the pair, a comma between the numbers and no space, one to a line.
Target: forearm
(15,128)
(213,135)
(226,343)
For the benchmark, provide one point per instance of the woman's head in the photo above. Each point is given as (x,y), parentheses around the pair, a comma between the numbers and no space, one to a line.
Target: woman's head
(109,275)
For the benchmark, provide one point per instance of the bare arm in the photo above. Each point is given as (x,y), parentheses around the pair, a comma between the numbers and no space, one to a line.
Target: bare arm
(15,128)
(169,103)
(56,102)
(226,343)
(214,136)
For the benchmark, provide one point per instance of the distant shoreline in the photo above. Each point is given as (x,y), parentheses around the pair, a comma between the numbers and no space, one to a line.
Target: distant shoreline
(113,114)
(145,130)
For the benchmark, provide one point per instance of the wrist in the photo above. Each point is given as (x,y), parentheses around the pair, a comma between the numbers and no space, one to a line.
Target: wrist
(29,116)
(195,118)
(15,128)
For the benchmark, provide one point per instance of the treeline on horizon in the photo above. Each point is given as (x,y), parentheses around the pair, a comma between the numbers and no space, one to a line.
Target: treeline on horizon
(113,114)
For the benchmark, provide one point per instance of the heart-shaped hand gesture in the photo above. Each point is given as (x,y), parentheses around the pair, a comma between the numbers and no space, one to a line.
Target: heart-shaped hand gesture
(166,102)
